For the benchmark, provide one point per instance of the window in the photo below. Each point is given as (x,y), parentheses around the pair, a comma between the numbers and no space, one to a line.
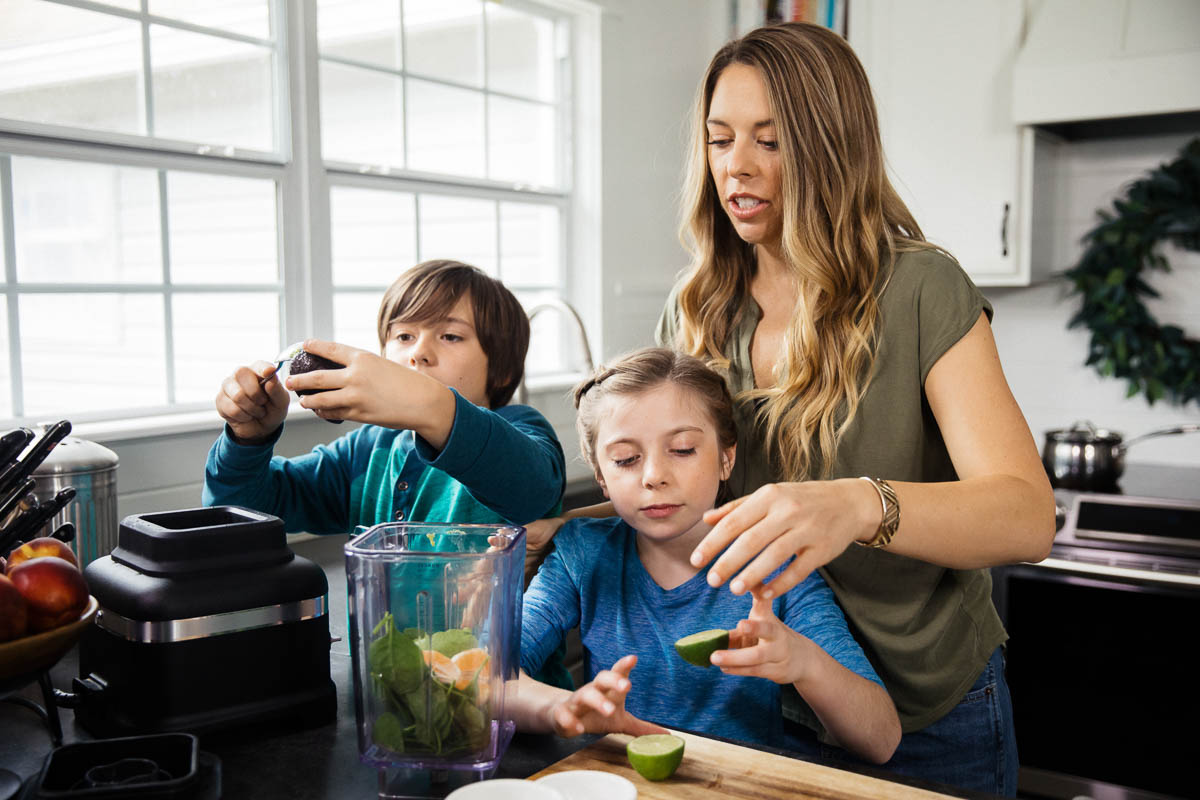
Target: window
(167,215)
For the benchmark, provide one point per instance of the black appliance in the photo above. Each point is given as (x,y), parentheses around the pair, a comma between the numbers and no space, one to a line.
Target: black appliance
(207,621)
(1100,658)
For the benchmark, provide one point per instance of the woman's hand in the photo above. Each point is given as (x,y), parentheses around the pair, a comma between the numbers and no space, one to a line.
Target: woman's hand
(374,390)
(599,706)
(253,402)
(761,646)
(813,521)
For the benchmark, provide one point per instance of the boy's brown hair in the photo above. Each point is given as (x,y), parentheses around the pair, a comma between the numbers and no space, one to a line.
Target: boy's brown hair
(430,289)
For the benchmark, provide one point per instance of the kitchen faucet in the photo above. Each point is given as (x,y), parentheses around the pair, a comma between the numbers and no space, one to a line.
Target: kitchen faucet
(567,310)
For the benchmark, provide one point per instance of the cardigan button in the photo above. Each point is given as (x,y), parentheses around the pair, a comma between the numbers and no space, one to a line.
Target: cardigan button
(399,515)
(401,486)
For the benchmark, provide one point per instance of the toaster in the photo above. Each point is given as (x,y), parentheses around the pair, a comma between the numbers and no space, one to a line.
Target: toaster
(208,621)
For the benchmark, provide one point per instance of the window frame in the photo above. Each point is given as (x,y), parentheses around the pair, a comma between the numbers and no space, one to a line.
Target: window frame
(304,183)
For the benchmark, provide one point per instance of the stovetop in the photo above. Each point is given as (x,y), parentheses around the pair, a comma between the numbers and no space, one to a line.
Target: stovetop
(1150,524)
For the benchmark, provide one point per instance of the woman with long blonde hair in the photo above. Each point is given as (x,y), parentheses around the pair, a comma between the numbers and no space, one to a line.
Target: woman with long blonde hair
(878,439)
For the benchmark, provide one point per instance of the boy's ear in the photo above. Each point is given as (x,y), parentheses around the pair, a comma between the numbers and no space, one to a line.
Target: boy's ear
(603,485)
(728,456)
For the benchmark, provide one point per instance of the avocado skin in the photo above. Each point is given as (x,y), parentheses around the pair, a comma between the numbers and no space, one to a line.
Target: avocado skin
(305,361)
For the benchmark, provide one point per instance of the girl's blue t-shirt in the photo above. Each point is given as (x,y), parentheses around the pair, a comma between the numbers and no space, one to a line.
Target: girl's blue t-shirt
(595,579)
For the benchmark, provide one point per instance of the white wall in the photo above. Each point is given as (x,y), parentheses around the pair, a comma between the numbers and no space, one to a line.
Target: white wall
(655,54)
(1043,359)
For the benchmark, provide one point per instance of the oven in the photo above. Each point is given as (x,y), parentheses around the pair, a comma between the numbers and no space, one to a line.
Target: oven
(1100,658)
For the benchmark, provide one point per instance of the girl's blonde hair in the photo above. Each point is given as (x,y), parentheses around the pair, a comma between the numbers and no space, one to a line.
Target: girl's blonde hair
(642,370)
(843,223)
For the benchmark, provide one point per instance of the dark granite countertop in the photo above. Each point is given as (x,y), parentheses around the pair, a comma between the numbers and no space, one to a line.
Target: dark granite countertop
(320,763)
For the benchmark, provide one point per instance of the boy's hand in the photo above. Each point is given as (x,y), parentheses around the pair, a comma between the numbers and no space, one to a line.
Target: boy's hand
(762,646)
(374,390)
(599,706)
(253,402)
(538,535)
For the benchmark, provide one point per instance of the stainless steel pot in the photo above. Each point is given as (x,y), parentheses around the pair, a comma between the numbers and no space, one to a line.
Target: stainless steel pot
(1088,458)
(92,469)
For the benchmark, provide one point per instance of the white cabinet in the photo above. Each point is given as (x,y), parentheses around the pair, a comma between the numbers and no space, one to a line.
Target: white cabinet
(942,73)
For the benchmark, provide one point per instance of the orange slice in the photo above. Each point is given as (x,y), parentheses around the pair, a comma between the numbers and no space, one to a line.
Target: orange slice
(444,670)
(470,663)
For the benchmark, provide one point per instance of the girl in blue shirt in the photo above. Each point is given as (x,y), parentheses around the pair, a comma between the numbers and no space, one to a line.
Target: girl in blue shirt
(657,427)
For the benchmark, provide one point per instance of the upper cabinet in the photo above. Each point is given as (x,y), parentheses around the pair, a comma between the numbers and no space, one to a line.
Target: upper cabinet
(942,73)
(1107,59)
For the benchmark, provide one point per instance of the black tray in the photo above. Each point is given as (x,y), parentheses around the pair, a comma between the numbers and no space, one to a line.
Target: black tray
(188,773)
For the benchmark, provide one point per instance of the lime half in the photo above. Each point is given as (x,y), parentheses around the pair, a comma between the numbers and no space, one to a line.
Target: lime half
(656,756)
(698,647)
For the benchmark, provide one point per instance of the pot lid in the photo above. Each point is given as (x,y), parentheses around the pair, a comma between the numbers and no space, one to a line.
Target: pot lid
(1085,433)
(71,456)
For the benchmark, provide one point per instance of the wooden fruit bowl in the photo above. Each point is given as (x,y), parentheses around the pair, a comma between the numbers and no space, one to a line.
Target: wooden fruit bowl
(31,654)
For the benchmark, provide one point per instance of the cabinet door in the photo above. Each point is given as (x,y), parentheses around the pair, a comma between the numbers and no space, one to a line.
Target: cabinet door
(941,71)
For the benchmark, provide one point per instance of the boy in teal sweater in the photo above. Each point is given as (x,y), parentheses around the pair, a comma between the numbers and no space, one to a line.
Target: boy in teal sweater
(440,443)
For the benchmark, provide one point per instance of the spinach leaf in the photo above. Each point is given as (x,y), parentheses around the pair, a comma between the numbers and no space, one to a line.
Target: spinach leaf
(453,641)
(388,732)
(396,659)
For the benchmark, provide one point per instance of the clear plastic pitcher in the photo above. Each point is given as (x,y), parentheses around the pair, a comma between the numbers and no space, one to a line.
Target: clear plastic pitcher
(435,633)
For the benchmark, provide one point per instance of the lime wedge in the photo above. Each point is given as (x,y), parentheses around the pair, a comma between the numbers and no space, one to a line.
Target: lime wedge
(656,756)
(696,648)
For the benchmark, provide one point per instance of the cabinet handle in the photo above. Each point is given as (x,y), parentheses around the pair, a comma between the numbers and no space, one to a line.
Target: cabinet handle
(1004,232)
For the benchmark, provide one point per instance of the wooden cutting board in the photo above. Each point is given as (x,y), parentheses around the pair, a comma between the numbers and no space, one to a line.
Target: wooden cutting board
(720,770)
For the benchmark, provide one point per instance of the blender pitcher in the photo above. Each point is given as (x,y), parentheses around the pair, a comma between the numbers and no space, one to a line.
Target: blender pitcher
(435,627)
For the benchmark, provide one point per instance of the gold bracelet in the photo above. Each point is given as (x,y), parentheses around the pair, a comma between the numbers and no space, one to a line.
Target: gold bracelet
(891,513)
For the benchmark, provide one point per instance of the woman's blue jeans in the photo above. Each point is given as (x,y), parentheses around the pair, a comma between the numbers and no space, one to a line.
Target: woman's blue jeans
(974,746)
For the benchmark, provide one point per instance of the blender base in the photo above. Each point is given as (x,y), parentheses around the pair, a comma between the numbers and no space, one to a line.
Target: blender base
(420,784)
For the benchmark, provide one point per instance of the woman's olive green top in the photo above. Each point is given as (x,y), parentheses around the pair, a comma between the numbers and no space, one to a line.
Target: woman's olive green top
(928,630)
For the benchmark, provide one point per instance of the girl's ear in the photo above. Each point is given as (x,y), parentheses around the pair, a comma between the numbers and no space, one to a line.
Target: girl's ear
(603,485)
(728,456)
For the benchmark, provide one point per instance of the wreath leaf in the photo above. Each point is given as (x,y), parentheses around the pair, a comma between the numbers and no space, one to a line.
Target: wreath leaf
(1127,342)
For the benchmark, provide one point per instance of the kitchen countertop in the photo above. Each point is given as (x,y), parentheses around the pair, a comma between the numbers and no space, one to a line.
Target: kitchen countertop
(320,763)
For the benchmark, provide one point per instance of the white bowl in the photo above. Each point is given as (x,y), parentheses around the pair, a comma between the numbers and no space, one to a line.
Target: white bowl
(590,784)
(505,789)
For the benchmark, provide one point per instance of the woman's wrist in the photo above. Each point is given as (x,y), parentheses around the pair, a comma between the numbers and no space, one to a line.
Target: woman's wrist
(868,512)
(889,507)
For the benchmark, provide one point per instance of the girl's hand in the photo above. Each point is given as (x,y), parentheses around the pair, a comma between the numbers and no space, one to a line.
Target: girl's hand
(253,402)
(813,521)
(762,646)
(599,706)
(374,390)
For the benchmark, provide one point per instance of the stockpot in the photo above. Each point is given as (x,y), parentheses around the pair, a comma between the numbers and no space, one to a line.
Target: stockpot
(1088,458)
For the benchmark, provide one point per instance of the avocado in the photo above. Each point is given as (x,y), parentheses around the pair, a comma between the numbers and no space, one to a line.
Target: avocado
(305,361)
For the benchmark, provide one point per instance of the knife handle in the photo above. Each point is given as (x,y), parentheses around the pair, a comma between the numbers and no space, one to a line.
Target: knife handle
(20,470)
(12,443)
(44,513)
(65,532)
(15,498)
(16,529)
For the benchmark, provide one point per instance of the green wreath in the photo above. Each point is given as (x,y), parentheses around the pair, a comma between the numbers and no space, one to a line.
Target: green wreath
(1127,342)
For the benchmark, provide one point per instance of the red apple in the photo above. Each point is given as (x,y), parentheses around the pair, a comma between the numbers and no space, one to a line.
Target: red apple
(14,611)
(53,588)
(40,547)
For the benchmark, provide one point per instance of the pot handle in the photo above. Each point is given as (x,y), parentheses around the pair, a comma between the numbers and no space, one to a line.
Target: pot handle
(1189,428)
